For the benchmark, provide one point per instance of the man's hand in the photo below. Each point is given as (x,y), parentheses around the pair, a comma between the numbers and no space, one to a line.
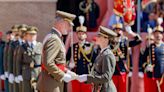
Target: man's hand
(6,74)
(73,75)
(11,78)
(130,74)
(140,74)
(71,64)
(82,78)
(16,80)
(69,76)
(149,68)
(20,78)
(3,77)
(128,29)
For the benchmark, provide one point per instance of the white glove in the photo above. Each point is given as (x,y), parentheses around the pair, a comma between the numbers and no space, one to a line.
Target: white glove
(129,30)
(149,29)
(82,78)
(130,74)
(67,78)
(6,74)
(160,20)
(73,75)
(20,78)
(71,65)
(3,77)
(149,68)
(11,78)
(140,74)
(16,80)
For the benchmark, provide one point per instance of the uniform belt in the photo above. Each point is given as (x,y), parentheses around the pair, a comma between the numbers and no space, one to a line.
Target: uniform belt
(36,66)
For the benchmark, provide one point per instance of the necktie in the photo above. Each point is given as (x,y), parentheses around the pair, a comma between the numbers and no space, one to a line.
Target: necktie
(32,45)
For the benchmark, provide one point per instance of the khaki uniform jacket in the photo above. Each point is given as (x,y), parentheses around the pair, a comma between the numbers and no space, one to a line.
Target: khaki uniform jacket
(50,80)
(25,57)
(102,72)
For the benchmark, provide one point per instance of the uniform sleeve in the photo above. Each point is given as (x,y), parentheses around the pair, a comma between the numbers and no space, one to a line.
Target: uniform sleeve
(137,40)
(1,59)
(52,48)
(10,58)
(108,68)
(19,58)
(4,58)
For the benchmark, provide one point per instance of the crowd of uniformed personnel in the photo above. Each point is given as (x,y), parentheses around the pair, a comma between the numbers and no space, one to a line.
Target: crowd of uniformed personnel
(21,54)
(20,59)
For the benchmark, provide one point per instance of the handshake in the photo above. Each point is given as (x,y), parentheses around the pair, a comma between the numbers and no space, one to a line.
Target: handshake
(69,76)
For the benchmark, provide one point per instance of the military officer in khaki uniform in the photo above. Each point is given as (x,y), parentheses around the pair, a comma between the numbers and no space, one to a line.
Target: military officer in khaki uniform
(26,61)
(9,38)
(19,41)
(54,72)
(9,58)
(37,51)
(104,65)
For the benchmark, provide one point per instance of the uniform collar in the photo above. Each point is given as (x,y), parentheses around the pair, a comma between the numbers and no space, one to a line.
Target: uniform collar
(82,43)
(103,49)
(56,31)
(31,43)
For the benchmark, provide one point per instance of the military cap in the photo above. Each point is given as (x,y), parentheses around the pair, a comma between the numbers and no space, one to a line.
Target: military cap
(32,30)
(23,27)
(117,26)
(158,29)
(14,28)
(106,32)
(81,29)
(66,16)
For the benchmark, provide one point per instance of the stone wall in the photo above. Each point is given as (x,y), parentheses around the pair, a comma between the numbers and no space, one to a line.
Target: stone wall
(39,13)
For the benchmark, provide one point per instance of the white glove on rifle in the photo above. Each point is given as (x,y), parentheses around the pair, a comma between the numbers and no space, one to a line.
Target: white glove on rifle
(6,74)
(11,78)
(140,74)
(20,78)
(69,76)
(71,65)
(128,29)
(130,74)
(82,78)
(149,68)
(3,77)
